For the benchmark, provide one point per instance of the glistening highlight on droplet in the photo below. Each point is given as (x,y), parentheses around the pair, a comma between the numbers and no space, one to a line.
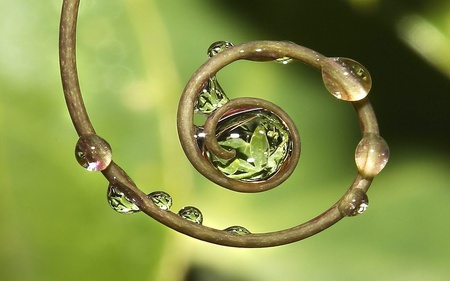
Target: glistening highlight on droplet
(191,214)
(238,230)
(161,199)
(346,79)
(212,96)
(262,143)
(371,155)
(93,153)
(354,203)
(119,202)
(284,60)
(218,47)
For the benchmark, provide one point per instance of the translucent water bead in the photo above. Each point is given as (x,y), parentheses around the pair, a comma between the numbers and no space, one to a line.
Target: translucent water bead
(212,95)
(262,143)
(218,47)
(238,230)
(161,199)
(371,155)
(354,203)
(119,202)
(93,153)
(346,79)
(191,214)
(284,60)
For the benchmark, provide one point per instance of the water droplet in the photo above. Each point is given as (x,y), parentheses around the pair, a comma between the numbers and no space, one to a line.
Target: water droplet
(239,230)
(371,155)
(191,214)
(93,153)
(354,203)
(161,199)
(346,79)
(218,47)
(211,97)
(284,60)
(119,202)
(199,136)
(262,143)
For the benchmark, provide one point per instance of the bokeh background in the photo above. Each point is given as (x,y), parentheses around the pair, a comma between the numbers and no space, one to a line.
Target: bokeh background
(134,58)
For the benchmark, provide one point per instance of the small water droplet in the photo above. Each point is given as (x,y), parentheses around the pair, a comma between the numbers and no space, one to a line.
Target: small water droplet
(262,143)
(119,202)
(284,60)
(199,136)
(218,47)
(371,155)
(239,230)
(161,199)
(211,97)
(354,203)
(93,153)
(191,214)
(346,79)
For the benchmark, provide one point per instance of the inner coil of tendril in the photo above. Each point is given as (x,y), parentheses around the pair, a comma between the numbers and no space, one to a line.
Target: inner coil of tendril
(246,144)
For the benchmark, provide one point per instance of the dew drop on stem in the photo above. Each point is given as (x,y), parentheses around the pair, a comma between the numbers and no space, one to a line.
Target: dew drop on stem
(371,155)
(191,214)
(354,203)
(93,153)
(262,143)
(119,202)
(346,79)
(238,230)
(161,199)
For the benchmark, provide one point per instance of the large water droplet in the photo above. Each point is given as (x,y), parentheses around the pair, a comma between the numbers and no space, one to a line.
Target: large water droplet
(93,153)
(218,47)
(354,203)
(119,202)
(161,199)
(238,230)
(191,214)
(371,155)
(346,79)
(262,143)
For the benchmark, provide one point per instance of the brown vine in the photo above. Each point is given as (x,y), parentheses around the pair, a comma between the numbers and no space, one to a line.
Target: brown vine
(344,78)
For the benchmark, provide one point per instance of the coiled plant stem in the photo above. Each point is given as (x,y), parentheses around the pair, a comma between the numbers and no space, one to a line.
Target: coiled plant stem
(257,51)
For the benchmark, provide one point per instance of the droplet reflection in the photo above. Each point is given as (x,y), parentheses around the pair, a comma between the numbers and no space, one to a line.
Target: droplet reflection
(346,79)
(191,214)
(212,96)
(354,203)
(218,47)
(161,199)
(371,155)
(284,60)
(93,153)
(238,230)
(119,202)
(262,143)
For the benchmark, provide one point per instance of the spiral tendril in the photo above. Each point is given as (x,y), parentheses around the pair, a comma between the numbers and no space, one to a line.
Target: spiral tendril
(255,151)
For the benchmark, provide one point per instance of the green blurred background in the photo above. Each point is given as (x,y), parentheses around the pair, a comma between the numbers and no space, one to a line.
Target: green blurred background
(134,58)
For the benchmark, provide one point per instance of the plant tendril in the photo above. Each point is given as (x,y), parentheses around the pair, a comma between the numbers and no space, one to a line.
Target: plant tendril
(344,78)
